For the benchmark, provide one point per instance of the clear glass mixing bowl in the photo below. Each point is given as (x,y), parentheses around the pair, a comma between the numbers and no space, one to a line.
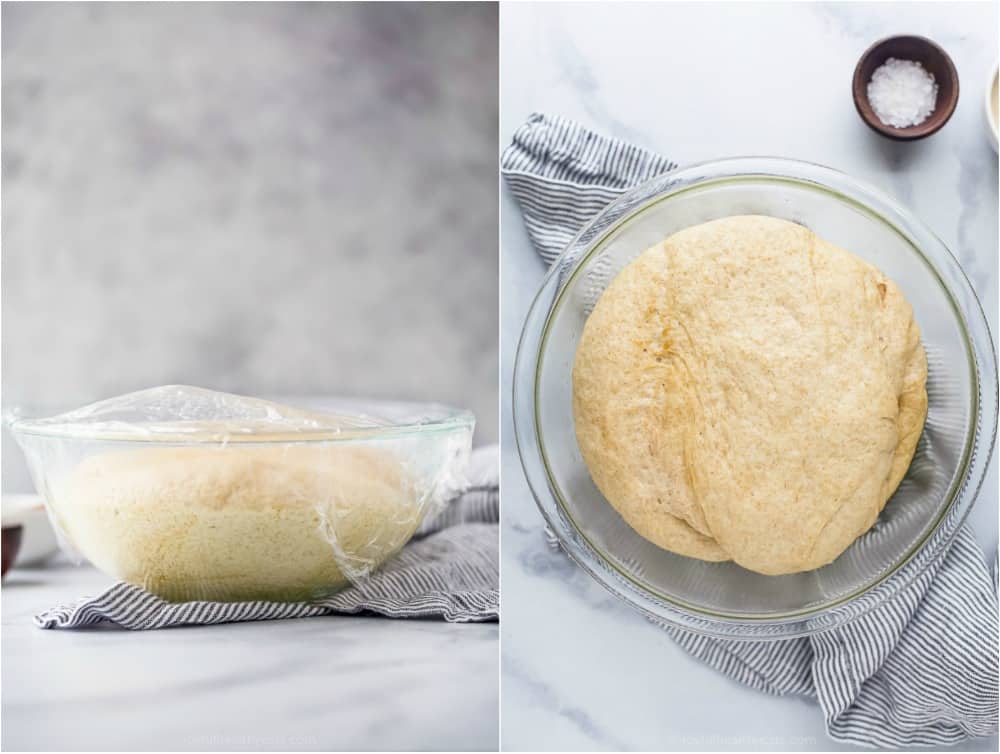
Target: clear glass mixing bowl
(199,495)
(918,523)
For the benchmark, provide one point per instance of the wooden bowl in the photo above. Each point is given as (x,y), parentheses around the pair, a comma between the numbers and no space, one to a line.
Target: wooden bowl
(9,545)
(932,58)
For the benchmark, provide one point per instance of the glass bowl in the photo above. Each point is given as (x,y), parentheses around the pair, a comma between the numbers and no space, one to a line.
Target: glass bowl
(198,495)
(919,521)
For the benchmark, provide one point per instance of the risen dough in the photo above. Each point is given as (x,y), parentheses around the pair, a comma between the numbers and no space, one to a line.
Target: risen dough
(745,390)
(238,522)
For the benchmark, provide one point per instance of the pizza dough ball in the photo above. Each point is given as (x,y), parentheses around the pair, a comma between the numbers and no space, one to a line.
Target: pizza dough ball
(747,391)
(239,522)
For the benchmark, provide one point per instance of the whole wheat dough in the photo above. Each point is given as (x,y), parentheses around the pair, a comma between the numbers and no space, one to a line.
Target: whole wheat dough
(745,390)
(238,522)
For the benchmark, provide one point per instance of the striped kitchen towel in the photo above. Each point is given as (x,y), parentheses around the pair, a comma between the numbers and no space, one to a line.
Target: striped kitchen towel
(449,570)
(920,670)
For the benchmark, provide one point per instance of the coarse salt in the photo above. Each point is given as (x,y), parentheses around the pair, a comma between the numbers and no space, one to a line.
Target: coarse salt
(902,93)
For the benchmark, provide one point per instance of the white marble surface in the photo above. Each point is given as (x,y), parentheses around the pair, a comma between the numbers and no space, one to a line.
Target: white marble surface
(317,684)
(579,670)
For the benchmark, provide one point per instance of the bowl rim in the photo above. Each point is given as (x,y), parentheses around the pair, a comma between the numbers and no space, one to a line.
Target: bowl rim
(992,122)
(17,508)
(859,92)
(438,418)
(979,346)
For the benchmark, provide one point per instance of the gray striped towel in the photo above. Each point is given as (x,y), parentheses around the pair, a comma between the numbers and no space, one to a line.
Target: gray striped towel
(449,570)
(920,670)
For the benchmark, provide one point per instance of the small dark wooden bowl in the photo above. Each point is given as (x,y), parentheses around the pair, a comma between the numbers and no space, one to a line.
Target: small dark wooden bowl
(932,58)
(9,545)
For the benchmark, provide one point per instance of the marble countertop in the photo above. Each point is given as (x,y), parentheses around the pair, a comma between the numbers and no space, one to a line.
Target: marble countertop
(579,669)
(317,684)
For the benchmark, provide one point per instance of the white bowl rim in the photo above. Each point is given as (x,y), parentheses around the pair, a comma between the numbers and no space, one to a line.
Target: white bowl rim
(992,126)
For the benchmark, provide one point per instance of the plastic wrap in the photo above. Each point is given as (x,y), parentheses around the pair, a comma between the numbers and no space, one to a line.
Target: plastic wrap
(195,494)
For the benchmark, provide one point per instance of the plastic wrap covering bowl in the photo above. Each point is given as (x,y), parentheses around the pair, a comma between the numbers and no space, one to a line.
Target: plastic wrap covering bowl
(919,521)
(194,494)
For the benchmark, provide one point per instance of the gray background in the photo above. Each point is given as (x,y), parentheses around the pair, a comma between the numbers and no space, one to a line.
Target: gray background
(277,199)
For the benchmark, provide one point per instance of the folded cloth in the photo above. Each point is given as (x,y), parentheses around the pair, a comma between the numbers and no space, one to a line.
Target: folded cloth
(449,570)
(918,670)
